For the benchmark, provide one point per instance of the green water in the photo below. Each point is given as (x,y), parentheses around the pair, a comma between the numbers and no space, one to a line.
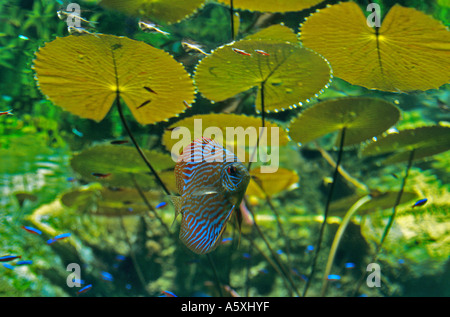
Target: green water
(124,248)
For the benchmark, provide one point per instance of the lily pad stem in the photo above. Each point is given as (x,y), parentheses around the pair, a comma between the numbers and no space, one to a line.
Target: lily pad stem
(136,145)
(390,221)
(337,238)
(324,223)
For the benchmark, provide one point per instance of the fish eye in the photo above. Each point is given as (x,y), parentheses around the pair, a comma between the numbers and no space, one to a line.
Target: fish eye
(231,170)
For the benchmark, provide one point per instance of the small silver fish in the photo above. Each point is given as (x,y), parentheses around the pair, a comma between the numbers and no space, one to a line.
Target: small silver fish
(190,46)
(151,28)
(79,31)
(64,15)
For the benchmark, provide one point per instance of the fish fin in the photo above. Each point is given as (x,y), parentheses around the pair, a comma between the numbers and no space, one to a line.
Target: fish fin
(216,243)
(177,203)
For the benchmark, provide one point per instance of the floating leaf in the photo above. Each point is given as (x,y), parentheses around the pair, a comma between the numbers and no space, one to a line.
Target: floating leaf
(425,141)
(109,202)
(271,183)
(236,125)
(82,74)
(121,164)
(363,119)
(169,11)
(410,50)
(275,32)
(272,6)
(290,73)
(379,201)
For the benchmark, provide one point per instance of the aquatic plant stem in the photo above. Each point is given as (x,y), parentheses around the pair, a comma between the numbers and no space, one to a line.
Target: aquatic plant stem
(232,19)
(216,276)
(147,203)
(134,260)
(337,238)
(390,221)
(136,145)
(343,172)
(324,223)
(272,252)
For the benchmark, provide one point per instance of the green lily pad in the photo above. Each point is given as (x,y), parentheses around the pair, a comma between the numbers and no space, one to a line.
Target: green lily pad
(363,119)
(109,202)
(379,201)
(169,11)
(289,73)
(119,164)
(425,141)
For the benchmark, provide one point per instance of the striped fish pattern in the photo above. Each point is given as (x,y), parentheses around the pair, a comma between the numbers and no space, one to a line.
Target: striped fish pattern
(211,182)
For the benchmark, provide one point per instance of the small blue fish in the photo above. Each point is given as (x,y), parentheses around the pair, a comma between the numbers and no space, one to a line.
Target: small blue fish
(161,205)
(349,265)
(85,289)
(7,112)
(309,248)
(168,294)
(26,262)
(226,240)
(32,230)
(77,133)
(211,182)
(120,257)
(7,258)
(58,237)
(107,276)
(78,281)
(8,266)
(333,277)
(246,255)
(420,202)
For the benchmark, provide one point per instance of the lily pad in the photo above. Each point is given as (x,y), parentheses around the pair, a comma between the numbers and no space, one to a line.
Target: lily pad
(425,141)
(169,11)
(109,202)
(379,201)
(272,6)
(236,125)
(272,183)
(363,119)
(118,165)
(409,51)
(83,74)
(290,74)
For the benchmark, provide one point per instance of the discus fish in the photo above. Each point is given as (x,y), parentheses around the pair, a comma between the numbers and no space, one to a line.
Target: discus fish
(211,182)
